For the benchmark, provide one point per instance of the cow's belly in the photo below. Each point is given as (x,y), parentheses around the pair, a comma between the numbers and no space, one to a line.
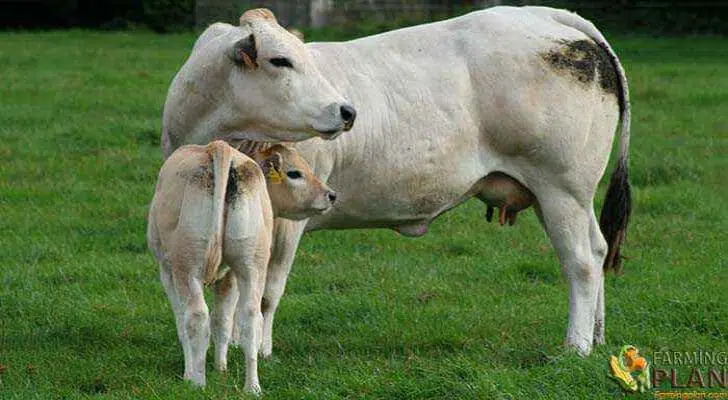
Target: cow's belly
(401,199)
(410,216)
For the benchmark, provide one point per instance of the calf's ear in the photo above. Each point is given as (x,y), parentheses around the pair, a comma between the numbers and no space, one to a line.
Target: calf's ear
(244,52)
(271,167)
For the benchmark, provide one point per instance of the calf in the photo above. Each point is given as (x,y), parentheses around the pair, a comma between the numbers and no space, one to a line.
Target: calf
(212,206)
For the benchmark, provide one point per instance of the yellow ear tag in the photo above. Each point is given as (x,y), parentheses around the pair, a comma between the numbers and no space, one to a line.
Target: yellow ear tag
(274,176)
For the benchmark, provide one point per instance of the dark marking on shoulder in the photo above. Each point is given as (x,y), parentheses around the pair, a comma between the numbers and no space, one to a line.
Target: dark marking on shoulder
(584,59)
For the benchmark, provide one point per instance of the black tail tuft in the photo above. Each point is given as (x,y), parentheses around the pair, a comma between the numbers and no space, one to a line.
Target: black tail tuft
(615,215)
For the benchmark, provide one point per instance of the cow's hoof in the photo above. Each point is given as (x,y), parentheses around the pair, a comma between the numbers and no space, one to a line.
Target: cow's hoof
(599,332)
(599,339)
(196,379)
(582,347)
(253,388)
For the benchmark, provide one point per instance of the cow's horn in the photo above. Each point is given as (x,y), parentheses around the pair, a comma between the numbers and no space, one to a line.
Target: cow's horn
(258,13)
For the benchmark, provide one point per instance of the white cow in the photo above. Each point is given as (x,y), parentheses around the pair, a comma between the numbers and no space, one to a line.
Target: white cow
(511,105)
(212,205)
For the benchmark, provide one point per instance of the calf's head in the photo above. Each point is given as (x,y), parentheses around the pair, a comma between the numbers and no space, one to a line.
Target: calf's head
(295,192)
(255,81)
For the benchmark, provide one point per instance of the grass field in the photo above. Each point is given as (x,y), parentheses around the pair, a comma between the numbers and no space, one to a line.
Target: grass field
(472,310)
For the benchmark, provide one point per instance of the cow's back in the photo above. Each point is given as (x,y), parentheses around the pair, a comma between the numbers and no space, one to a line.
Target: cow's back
(500,63)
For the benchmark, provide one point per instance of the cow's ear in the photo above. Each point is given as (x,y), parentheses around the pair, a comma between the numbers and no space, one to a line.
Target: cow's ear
(245,53)
(271,166)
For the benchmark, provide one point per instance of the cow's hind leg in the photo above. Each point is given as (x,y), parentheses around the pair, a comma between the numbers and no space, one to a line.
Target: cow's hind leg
(599,336)
(570,225)
(195,323)
(599,244)
(223,316)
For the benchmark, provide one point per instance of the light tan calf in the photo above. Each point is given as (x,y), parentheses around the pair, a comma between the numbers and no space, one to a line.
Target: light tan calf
(212,206)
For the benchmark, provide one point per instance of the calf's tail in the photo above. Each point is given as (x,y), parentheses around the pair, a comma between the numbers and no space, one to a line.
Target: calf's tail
(221,154)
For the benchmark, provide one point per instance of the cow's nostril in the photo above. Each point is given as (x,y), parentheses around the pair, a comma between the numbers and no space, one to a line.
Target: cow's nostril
(332,197)
(348,114)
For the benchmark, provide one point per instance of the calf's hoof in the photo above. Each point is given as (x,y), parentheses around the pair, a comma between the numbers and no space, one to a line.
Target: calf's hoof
(221,367)
(266,350)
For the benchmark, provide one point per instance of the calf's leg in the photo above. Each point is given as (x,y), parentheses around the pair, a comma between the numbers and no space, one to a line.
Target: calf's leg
(195,323)
(250,272)
(165,276)
(223,316)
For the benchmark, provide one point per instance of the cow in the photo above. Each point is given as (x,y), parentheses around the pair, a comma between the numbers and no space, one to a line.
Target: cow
(512,105)
(212,205)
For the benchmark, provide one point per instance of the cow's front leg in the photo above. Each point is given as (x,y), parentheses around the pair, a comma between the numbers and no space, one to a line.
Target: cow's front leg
(570,227)
(286,236)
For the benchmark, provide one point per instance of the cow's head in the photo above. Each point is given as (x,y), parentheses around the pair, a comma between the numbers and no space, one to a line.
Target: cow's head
(295,192)
(255,81)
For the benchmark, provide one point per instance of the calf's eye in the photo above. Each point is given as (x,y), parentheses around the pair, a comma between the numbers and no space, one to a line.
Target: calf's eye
(294,174)
(281,62)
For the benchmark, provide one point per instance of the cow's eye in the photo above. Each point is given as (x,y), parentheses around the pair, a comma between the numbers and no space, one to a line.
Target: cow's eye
(281,62)
(294,174)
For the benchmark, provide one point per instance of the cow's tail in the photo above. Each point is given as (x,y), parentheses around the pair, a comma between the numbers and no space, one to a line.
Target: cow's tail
(221,154)
(618,201)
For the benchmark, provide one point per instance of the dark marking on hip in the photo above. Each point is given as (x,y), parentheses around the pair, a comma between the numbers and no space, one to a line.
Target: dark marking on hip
(584,59)
(240,178)
(231,192)
(204,178)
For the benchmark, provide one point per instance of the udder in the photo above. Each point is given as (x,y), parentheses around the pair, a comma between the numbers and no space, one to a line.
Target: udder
(498,190)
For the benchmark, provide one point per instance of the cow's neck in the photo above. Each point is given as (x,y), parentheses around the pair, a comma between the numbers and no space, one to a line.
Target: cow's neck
(250,147)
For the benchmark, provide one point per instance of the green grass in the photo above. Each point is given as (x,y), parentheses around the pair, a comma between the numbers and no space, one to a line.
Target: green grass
(472,310)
